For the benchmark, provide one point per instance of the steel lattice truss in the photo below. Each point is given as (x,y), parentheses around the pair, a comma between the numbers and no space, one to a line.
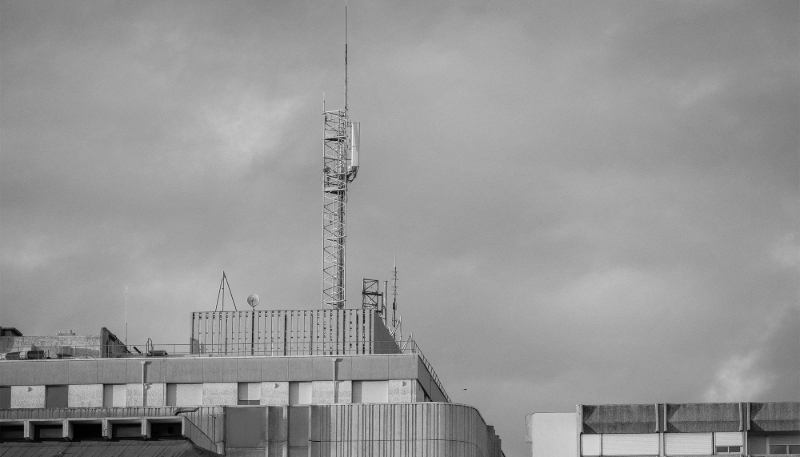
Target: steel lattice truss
(336,175)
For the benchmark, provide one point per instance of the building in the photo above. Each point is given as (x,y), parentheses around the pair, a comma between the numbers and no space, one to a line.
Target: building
(664,429)
(246,383)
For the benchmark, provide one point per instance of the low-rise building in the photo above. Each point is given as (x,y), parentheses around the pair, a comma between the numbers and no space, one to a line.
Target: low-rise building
(666,429)
(247,383)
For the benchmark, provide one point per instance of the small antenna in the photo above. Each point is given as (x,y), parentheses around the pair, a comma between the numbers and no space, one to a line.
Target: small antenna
(394,292)
(126,315)
(221,292)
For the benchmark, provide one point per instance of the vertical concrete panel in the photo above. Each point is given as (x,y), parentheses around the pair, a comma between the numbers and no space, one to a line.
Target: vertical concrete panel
(370,367)
(322,392)
(156,394)
(83,372)
(246,427)
(111,371)
(220,393)
(85,395)
(275,393)
(275,369)
(302,368)
(27,396)
(403,366)
(57,372)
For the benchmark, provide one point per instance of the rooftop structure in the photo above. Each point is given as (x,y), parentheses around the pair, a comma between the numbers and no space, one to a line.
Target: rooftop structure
(282,382)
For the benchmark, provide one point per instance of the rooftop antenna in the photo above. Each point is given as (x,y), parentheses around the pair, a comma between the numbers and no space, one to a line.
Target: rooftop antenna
(126,315)
(221,293)
(394,292)
(341,141)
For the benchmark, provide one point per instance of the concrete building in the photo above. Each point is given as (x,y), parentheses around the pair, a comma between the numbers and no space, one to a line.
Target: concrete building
(665,429)
(247,383)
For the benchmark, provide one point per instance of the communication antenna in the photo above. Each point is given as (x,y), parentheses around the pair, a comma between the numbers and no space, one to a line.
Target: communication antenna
(126,316)
(221,293)
(341,141)
(394,293)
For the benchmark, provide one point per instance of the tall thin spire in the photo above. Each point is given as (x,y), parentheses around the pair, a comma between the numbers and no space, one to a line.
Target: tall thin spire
(345,55)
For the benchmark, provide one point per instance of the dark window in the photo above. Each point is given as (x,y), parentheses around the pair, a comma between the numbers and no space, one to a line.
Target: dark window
(55,397)
(126,431)
(729,449)
(5,397)
(779,449)
(12,433)
(49,432)
(87,432)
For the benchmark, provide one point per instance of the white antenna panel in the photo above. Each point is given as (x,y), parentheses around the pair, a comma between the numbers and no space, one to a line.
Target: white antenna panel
(355,144)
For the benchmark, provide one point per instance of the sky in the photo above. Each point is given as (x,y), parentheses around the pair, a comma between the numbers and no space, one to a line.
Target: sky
(589,202)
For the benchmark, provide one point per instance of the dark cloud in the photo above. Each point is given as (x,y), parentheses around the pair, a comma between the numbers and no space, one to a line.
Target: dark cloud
(590,202)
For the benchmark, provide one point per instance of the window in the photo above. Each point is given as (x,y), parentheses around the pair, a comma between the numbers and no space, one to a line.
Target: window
(5,397)
(300,393)
(784,444)
(184,394)
(115,395)
(370,391)
(784,449)
(629,444)
(55,396)
(249,393)
(688,444)
(728,442)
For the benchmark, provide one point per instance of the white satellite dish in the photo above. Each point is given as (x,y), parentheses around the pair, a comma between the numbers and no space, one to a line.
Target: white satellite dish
(252,300)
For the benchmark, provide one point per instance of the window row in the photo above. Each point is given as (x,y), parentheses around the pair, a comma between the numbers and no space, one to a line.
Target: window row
(193,394)
(716,443)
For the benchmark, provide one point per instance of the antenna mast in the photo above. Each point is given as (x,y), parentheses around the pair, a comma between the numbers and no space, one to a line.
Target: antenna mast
(340,166)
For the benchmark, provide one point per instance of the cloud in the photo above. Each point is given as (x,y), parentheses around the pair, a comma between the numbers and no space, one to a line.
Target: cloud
(738,379)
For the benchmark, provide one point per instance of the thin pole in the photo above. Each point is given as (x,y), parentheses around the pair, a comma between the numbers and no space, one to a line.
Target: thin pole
(345,56)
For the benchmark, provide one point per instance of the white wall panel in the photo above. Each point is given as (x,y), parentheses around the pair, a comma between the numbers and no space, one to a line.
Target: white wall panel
(630,444)
(85,395)
(185,394)
(300,392)
(590,445)
(688,444)
(728,439)
(114,395)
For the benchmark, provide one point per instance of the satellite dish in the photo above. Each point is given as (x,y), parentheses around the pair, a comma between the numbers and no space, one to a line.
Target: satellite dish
(252,300)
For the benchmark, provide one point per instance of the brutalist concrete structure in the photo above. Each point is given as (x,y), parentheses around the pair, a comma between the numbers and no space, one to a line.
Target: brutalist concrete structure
(665,429)
(254,383)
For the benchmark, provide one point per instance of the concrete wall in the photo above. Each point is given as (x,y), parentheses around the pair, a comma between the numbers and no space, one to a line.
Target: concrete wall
(403,390)
(210,369)
(220,393)
(422,429)
(552,434)
(27,396)
(85,395)
(275,393)
(156,394)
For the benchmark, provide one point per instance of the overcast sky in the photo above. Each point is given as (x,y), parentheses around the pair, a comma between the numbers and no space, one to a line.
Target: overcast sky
(590,202)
